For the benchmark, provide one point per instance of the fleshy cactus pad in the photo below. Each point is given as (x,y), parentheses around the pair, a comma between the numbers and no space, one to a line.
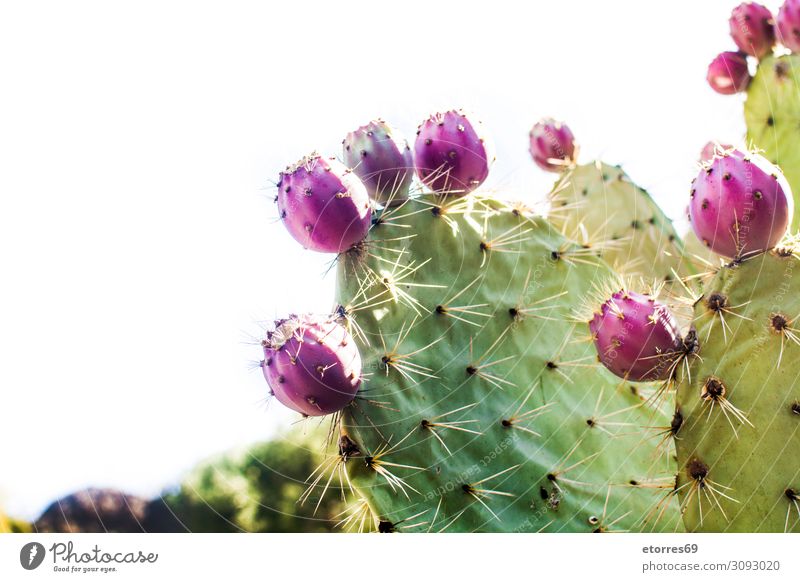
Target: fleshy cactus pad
(740,400)
(484,410)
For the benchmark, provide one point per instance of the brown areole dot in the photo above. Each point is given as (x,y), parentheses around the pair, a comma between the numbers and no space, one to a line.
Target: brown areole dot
(717,302)
(713,389)
(676,423)
(778,322)
(696,469)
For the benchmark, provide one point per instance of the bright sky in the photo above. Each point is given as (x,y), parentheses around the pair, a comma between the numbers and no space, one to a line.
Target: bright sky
(138,145)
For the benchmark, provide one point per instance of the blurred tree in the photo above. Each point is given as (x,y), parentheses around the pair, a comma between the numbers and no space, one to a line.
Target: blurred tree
(254,490)
(94,510)
(257,490)
(11,525)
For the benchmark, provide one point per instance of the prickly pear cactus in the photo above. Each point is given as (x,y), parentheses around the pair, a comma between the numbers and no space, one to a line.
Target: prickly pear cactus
(740,403)
(483,406)
(772,111)
(698,254)
(598,205)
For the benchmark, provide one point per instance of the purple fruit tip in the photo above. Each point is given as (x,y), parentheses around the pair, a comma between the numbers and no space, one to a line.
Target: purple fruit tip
(740,204)
(323,205)
(552,145)
(382,158)
(753,29)
(451,156)
(728,73)
(789,25)
(636,337)
(312,364)
(713,148)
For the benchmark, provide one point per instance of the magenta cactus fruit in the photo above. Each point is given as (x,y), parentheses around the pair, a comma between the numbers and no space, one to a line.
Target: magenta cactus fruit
(450,154)
(552,145)
(323,205)
(789,25)
(728,73)
(740,204)
(636,337)
(382,159)
(311,364)
(753,29)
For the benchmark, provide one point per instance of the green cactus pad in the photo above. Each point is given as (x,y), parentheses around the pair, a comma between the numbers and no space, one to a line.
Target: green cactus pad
(772,114)
(600,204)
(484,407)
(698,254)
(738,459)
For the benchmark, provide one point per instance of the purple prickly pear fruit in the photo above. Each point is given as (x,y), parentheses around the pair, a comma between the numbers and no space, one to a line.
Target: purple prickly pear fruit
(451,156)
(711,149)
(323,205)
(636,337)
(382,159)
(740,204)
(311,364)
(552,145)
(789,25)
(753,29)
(728,73)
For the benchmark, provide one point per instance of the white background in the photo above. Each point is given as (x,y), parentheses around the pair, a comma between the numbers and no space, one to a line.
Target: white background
(138,142)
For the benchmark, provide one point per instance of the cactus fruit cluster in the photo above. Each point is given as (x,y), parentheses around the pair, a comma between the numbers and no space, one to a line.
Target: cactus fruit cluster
(773,97)
(490,368)
(463,388)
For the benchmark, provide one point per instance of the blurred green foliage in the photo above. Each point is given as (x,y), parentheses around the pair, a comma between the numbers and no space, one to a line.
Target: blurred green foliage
(256,490)
(11,525)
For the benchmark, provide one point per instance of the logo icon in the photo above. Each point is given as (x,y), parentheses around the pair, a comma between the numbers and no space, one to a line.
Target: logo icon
(31,555)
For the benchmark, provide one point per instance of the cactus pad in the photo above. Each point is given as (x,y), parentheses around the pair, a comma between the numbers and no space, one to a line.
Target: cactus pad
(598,204)
(772,111)
(737,446)
(483,406)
